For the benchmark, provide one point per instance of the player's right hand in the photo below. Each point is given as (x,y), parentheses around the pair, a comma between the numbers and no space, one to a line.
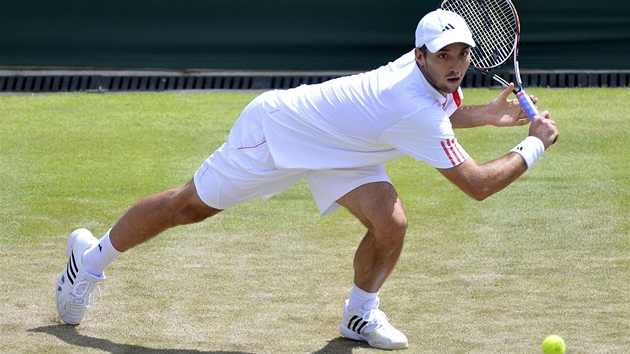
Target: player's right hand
(544,128)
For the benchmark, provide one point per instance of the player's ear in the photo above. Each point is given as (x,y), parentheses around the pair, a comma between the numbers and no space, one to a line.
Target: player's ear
(419,56)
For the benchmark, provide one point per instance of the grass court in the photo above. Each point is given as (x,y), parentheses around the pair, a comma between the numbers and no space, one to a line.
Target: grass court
(548,255)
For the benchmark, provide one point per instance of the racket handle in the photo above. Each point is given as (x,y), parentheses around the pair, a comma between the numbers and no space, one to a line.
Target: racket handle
(526,103)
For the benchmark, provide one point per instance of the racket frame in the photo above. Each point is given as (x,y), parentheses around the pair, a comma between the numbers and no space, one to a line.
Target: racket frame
(525,101)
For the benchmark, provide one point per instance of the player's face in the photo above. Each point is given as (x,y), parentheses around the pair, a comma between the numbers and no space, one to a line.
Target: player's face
(445,69)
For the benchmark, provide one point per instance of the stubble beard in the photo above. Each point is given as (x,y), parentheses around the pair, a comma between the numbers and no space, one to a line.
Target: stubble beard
(433,81)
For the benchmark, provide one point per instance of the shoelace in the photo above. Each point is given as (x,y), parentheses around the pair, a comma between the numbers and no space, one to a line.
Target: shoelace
(83,292)
(374,312)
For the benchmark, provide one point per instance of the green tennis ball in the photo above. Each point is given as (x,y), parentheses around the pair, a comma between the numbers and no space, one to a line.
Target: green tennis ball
(553,344)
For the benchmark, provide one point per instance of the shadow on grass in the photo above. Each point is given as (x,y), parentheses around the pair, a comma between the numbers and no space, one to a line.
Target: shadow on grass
(70,335)
(341,345)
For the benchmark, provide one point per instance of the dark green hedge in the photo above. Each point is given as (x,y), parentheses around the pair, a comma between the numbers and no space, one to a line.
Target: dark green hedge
(285,34)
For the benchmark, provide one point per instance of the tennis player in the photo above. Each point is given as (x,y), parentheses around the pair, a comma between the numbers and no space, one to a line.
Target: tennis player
(335,135)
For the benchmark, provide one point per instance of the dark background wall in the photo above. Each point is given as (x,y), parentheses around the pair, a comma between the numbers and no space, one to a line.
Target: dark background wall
(285,34)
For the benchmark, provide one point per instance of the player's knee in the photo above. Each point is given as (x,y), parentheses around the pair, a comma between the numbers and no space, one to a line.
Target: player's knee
(399,226)
(194,213)
(187,207)
(392,229)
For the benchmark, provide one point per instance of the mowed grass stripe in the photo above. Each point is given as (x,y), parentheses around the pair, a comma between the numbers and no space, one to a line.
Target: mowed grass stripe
(549,254)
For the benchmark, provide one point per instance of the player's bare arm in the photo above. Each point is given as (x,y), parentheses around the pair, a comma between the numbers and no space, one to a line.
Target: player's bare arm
(482,181)
(500,112)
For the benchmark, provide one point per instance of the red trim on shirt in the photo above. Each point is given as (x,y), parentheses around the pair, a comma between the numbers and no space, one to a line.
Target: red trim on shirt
(457,99)
(452,151)
(251,147)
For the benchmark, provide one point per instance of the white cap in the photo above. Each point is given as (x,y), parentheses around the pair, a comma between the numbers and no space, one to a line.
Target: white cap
(440,28)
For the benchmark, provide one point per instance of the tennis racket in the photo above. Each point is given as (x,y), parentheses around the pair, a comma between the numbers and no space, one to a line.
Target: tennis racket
(495,27)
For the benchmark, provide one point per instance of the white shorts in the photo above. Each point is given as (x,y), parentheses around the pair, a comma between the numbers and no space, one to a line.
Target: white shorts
(243,169)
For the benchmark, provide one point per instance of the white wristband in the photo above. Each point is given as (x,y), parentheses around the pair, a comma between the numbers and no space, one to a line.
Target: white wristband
(531,148)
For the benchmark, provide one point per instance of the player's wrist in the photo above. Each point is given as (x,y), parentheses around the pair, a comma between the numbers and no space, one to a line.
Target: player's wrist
(488,116)
(531,148)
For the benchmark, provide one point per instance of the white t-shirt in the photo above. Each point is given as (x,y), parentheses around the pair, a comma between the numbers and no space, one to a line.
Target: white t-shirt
(363,120)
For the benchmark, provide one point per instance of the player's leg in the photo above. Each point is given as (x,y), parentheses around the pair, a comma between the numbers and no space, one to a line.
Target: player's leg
(88,257)
(158,212)
(379,208)
(368,194)
(145,220)
(241,170)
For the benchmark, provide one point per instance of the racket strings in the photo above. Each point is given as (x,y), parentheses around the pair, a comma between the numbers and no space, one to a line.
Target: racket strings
(494,26)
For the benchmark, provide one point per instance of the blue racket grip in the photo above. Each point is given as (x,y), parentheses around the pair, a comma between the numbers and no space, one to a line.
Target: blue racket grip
(526,103)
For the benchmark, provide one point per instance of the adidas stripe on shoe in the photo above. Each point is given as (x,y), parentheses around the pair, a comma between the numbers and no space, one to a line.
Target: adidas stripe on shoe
(75,286)
(371,326)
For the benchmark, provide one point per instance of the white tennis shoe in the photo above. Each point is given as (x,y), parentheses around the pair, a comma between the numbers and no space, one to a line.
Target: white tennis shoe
(75,286)
(371,326)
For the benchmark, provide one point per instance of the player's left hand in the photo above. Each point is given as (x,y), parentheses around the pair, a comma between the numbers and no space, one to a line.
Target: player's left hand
(502,112)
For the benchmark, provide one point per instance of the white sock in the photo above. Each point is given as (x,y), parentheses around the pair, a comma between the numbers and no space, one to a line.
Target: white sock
(96,258)
(362,299)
